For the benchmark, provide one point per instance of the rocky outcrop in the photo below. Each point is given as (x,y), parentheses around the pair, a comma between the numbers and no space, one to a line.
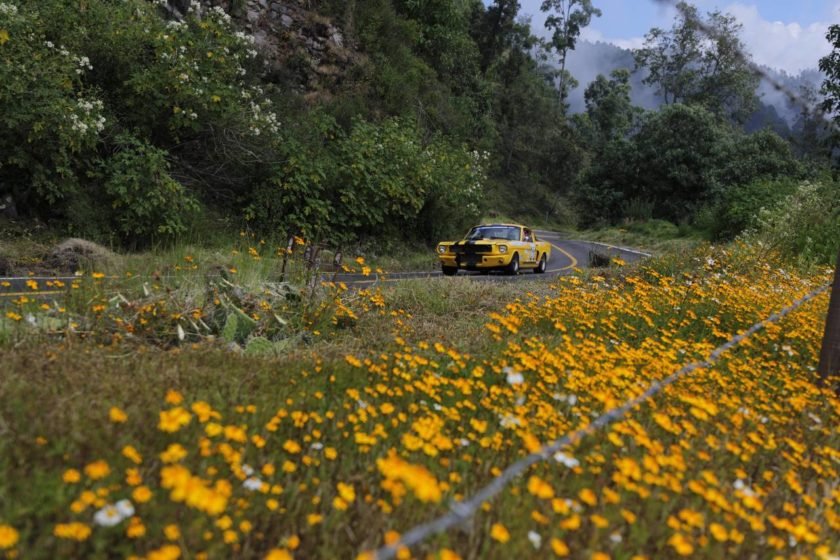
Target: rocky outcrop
(304,50)
(78,254)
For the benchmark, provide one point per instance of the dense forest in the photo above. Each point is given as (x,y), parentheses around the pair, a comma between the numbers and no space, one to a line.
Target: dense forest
(135,122)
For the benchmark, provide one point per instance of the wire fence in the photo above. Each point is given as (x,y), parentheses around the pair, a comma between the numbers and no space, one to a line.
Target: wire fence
(463,510)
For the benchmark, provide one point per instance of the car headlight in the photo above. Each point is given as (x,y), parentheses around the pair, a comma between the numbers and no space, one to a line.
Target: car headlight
(503,249)
(441,248)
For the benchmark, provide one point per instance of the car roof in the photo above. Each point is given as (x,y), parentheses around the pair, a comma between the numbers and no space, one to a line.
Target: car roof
(499,225)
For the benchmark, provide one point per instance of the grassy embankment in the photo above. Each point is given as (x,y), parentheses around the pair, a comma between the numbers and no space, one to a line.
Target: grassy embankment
(363,413)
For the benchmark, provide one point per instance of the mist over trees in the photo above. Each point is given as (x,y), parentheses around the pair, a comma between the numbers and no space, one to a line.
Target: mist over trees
(442,111)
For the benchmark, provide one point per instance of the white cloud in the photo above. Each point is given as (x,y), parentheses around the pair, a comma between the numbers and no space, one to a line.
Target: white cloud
(594,36)
(787,46)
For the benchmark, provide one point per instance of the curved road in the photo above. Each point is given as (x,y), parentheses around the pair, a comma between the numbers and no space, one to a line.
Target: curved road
(566,255)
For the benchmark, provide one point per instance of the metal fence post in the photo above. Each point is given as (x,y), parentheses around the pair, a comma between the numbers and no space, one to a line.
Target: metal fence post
(830,354)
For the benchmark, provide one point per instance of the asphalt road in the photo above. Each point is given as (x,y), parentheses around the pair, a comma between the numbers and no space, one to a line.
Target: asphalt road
(566,255)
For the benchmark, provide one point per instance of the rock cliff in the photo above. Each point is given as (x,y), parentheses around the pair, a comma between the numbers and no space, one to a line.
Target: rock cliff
(303,49)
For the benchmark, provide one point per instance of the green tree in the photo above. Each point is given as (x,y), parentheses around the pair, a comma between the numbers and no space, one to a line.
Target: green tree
(762,155)
(566,20)
(609,110)
(700,61)
(495,30)
(830,66)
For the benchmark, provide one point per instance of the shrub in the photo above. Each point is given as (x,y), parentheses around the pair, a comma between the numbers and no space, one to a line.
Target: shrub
(637,209)
(805,225)
(658,229)
(147,203)
(377,180)
(738,207)
(49,120)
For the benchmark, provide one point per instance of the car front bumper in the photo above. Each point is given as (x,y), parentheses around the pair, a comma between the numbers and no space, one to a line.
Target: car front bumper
(475,262)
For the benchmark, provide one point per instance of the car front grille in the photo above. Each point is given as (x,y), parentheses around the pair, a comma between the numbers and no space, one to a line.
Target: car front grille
(471,249)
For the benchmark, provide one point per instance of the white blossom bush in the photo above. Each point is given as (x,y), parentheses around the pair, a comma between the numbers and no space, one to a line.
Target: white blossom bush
(201,75)
(49,118)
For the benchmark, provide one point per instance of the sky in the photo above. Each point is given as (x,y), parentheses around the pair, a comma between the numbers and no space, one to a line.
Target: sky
(787,35)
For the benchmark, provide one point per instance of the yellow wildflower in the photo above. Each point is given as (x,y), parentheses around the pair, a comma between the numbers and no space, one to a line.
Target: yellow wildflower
(72,531)
(8,536)
(117,415)
(174,419)
(499,532)
(71,476)
(141,494)
(172,532)
(559,547)
(97,470)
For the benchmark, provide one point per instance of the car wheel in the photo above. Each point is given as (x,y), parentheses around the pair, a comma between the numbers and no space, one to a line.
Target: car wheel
(449,270)
(513,268)
(541,266)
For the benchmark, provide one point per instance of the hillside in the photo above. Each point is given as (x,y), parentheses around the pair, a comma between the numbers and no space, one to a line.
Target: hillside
(226,330)
(369,122)
(588,60)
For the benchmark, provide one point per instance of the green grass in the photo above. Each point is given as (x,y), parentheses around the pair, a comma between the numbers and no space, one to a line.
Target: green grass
(436,352)
(655,236)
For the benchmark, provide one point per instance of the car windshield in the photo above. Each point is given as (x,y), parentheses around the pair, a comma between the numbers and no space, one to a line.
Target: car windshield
(509,233)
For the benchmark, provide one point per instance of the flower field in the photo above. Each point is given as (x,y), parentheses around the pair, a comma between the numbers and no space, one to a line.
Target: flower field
(194,452)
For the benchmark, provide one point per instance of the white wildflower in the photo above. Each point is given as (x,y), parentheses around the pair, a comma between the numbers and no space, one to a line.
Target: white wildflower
(513,377)
(744,488)
(535,539)
(566,460)
(509,420)
(125,508)
(253,483)
(113,514)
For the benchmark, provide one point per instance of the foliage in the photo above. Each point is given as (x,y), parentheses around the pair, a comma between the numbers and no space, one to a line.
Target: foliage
(566,20)
(700,61)
(804,225)
(49,118)
(609,111)
(680,159)
(147,203)
(176,86)
(670,161)
(739,206)
(117,122)
(762,154)
(378,180)
(830,67)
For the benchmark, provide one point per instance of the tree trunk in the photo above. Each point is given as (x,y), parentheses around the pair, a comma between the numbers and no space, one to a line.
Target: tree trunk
(349,16)
(830,354)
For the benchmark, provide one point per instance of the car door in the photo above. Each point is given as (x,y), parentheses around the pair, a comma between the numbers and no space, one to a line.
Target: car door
(530,246)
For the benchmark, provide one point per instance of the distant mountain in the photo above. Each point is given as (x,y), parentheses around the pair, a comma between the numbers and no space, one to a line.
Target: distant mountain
(775,110)
(590,59)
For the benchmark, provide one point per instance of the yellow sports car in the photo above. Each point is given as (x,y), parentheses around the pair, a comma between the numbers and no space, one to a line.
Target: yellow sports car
(507,247)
